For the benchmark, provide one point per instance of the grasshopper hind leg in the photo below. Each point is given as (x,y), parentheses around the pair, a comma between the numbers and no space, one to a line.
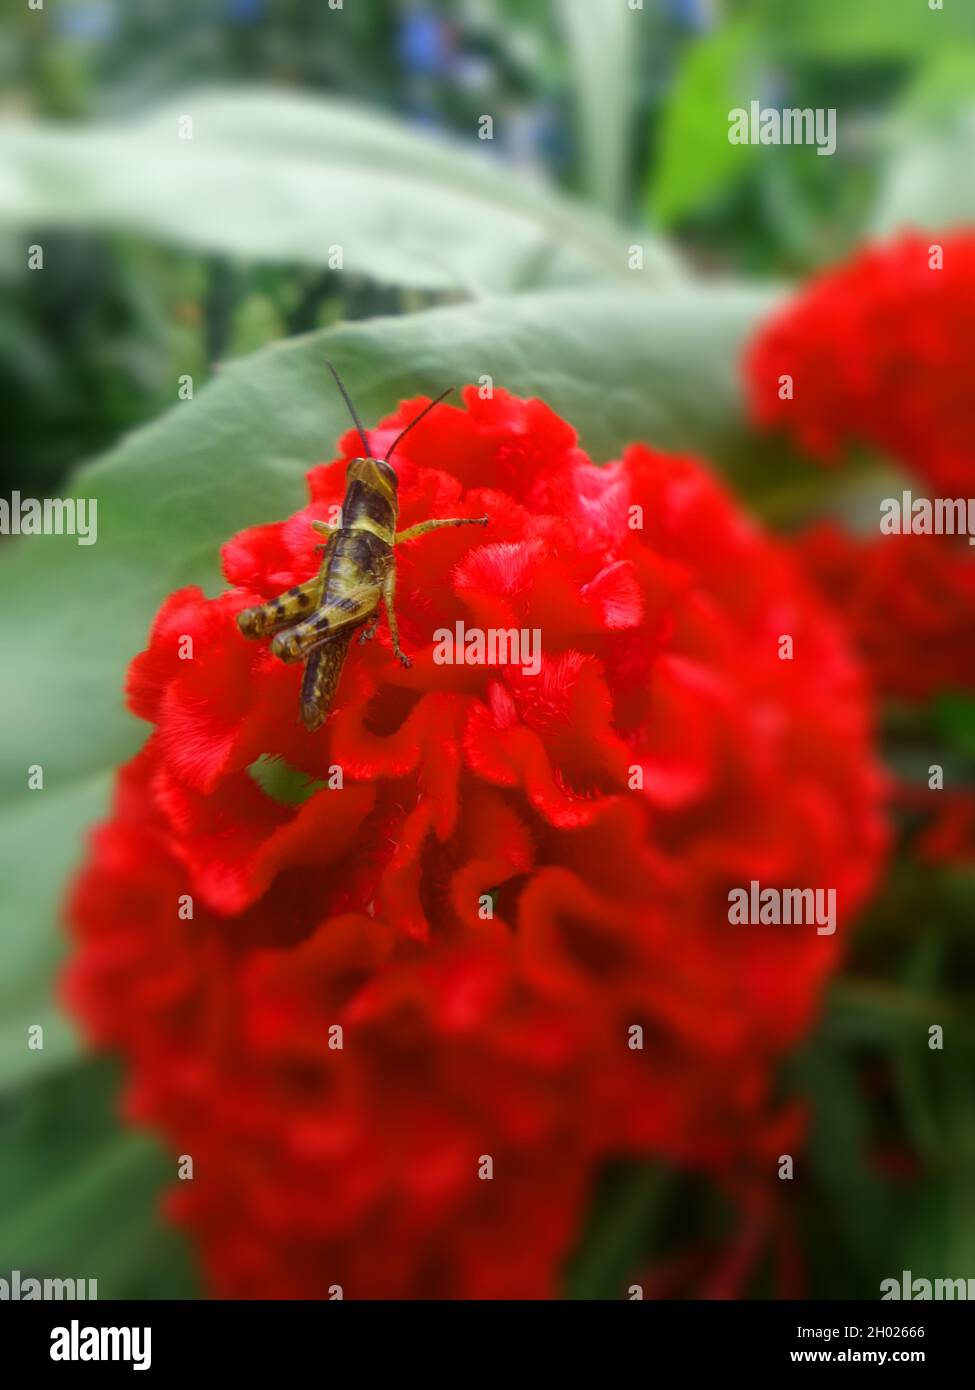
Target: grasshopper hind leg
(285,610)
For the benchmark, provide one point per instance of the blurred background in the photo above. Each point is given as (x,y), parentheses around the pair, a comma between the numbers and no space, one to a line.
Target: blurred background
(337,177)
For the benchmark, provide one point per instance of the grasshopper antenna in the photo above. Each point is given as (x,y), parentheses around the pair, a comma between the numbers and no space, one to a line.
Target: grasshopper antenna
(416,420)
(352,411)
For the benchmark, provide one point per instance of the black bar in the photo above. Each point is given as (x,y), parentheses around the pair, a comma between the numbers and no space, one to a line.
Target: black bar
(449,1340)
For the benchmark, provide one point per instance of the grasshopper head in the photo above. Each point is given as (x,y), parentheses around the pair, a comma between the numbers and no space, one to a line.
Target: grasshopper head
(372,472)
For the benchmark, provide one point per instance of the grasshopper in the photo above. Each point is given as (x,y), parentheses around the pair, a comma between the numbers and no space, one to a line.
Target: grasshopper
(315,621)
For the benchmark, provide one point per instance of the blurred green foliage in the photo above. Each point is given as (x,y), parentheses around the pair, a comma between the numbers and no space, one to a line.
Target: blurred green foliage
(625,109)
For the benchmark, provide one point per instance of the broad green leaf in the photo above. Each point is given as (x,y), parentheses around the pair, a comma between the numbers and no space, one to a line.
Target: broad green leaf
(80,1194)
(696,160)
(620,367)
(294,178)
(42,833)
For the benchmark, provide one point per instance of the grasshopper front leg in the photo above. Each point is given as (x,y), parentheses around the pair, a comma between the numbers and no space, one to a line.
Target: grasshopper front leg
(323,529)
(389,601)
(389,579)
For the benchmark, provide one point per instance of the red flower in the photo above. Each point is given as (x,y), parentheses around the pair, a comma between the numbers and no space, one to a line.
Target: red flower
(878,351)
(602,806)
(909,602)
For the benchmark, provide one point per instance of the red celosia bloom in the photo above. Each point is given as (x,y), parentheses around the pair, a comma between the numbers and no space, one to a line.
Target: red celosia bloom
(909,602)
(879,352)
(464,1037)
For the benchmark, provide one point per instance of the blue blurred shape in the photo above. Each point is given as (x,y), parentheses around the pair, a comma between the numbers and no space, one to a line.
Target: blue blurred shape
(423,43)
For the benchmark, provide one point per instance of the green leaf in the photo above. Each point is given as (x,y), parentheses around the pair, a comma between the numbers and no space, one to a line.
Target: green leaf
(837,1157)
(875,1011)
(283,783)
(696,160)
(627,1210)
(288,178)
(80,1194)
(42,835)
